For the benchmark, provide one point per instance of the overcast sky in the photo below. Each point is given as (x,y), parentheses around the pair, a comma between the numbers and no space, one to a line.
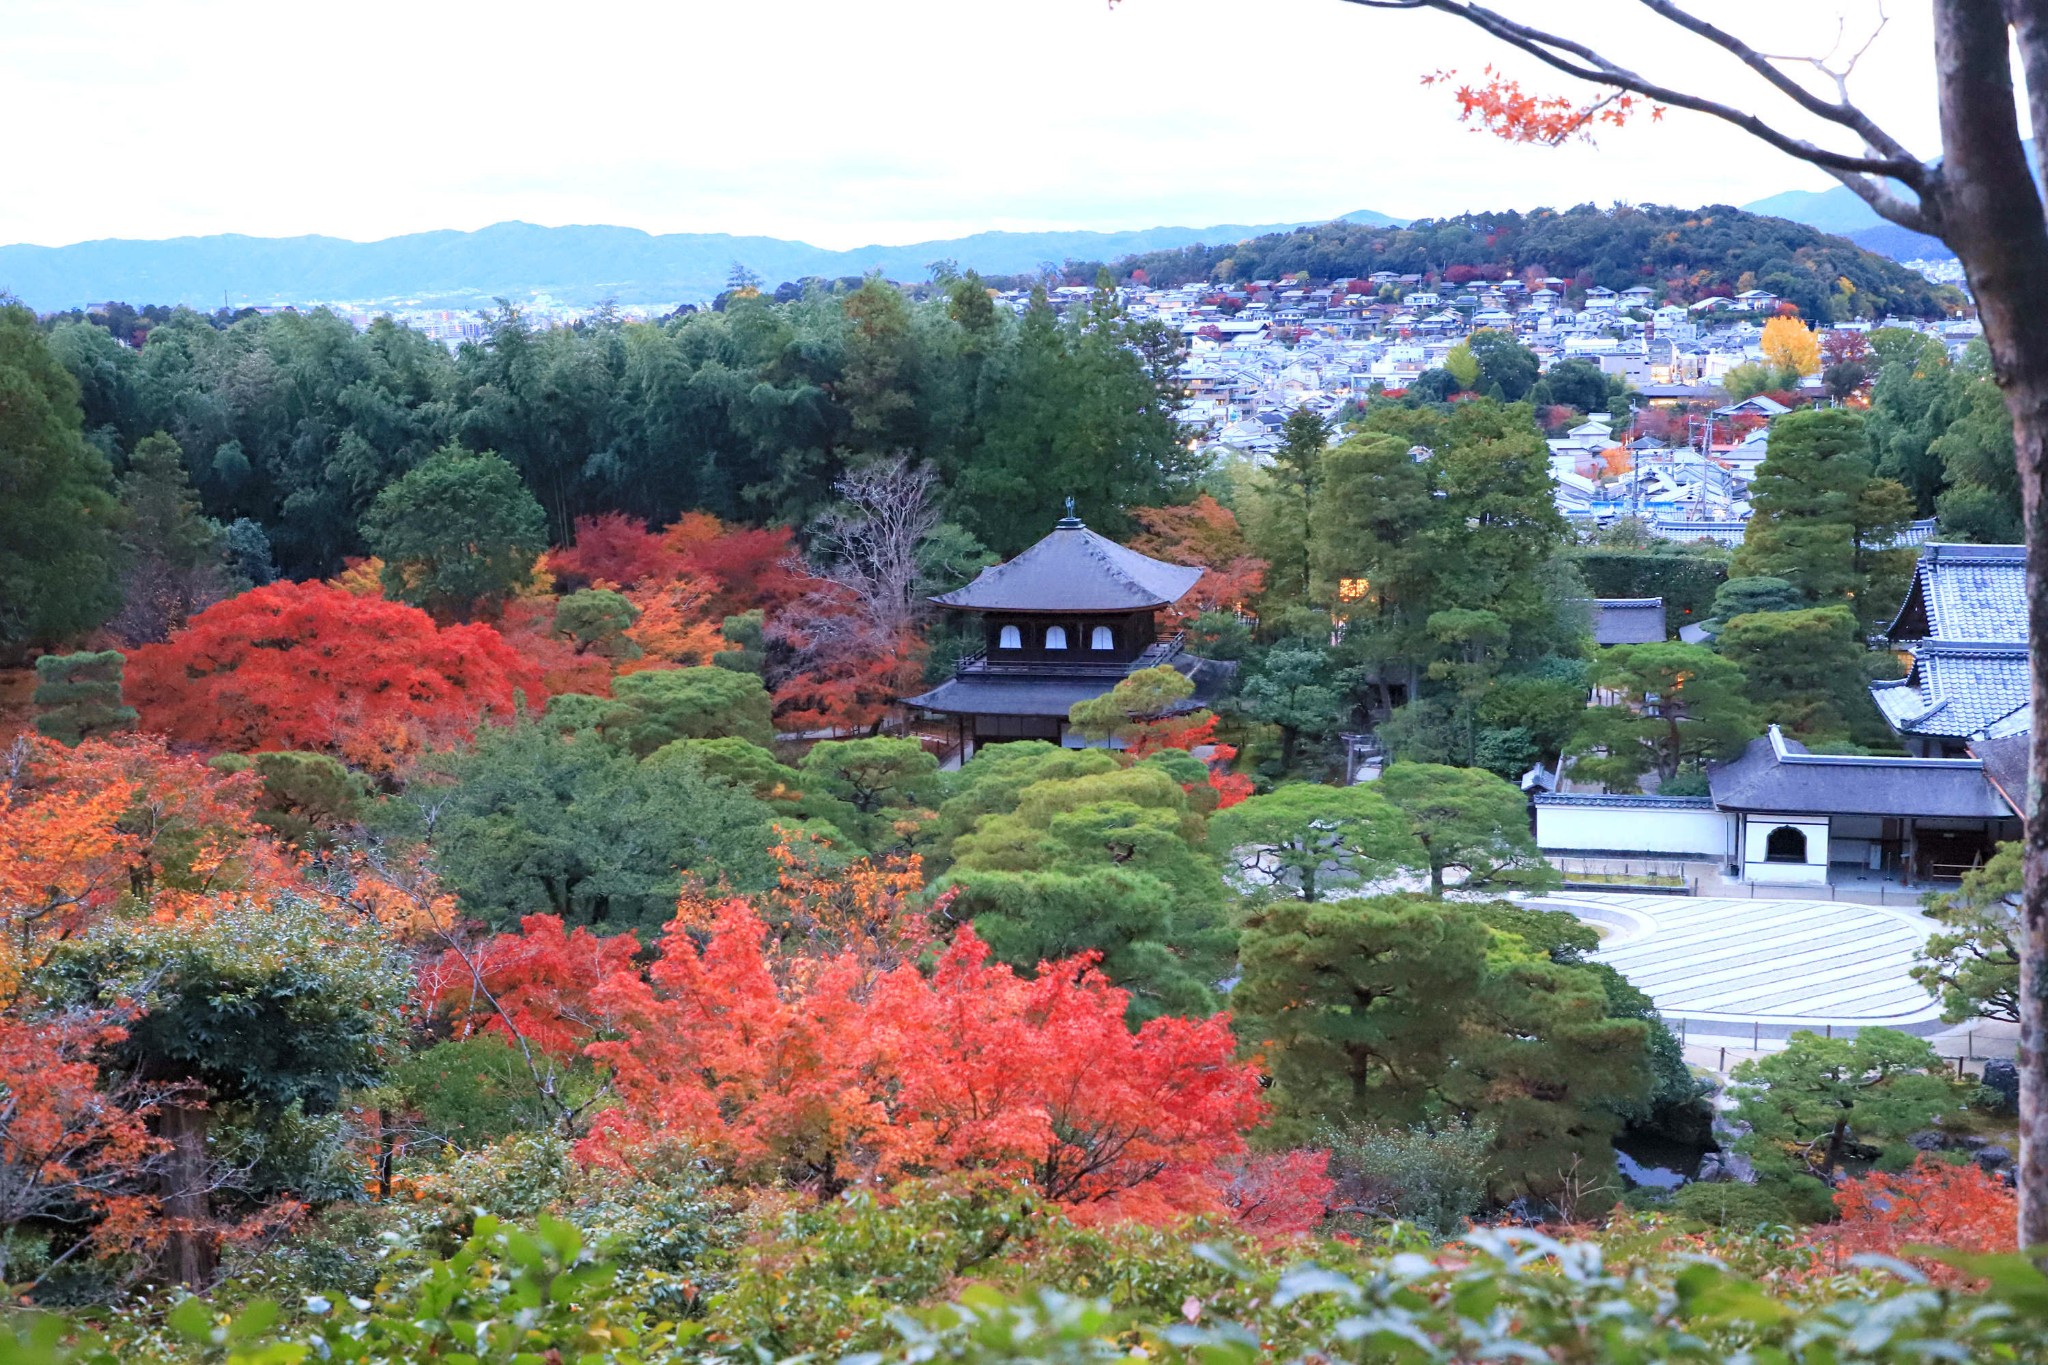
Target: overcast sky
(834,121)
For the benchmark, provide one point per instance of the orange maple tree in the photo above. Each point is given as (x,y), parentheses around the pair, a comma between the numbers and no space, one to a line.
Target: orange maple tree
(833,668)
(676,626)
(1205,533)
(1956,1208)
(842,1078)
(748,567)
(70,1148)
(313,667)
(119,824)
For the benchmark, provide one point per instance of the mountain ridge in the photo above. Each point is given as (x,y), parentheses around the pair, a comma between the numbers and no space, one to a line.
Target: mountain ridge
(573,263)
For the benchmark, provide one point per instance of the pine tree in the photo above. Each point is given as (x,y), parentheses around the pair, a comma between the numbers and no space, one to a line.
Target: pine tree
(78,696)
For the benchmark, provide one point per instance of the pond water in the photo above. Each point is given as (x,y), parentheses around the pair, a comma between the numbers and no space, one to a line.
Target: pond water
(1657,1163)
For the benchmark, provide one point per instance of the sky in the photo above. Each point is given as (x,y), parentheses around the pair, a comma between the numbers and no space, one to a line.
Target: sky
(843,123)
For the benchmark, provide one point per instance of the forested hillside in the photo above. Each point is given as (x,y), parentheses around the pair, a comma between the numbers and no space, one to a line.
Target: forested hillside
(294,421)
(1686,253)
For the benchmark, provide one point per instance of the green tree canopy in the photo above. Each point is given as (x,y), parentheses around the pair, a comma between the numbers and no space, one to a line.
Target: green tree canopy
(1307,840)
(1294,689)
(1507,368)
(1107,860)
(78,696)
(1676,706)
(1470,822)
(595,621)
(1823,520)
(1388,1011)
(659,706)
(266,1011)
(1809,1106)
(532,821)
(1972,964)
(171,554)
(1141,697)
(457,535)
(1805,671)
(57,550)
(889,783)
(1741,596)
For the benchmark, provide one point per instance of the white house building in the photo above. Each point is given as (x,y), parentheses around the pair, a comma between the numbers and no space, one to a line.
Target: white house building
(1779,814)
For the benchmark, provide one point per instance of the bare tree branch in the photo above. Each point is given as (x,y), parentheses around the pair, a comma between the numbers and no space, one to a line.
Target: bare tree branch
(869,542)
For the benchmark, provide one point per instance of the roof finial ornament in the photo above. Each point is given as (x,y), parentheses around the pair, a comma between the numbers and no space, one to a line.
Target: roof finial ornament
(1069,521)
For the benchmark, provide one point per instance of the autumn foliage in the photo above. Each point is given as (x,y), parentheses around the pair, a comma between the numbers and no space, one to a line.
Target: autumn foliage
(71,1146)
(847,1078)
(311,667)
(798,1038)
(119,824)
(1500,106)
(1957,1208)
(1205,533)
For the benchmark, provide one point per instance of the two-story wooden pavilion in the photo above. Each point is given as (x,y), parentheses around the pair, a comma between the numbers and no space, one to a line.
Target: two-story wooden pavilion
(1064,621)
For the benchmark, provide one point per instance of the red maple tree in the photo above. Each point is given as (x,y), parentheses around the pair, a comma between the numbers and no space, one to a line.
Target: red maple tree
(536,985)
(1956,1208)
(840,1078)
(748,567)
(832,667)
(612,548)
(1205,533)
(313,667)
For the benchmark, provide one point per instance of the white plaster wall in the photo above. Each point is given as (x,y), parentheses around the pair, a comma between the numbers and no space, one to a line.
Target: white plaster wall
(1627,829)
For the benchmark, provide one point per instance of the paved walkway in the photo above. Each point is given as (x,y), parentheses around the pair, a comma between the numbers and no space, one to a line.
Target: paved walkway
(1762,969)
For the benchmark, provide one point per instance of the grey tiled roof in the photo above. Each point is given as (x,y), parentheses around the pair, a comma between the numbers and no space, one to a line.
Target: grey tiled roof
(1957,688)
(2005,762)
(1678,528)
(1966,592)
(1073,569)
(1778,774)
(1625,801)
(1628,620)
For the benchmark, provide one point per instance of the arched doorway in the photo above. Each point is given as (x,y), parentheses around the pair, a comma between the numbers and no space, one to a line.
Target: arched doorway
(1785,845)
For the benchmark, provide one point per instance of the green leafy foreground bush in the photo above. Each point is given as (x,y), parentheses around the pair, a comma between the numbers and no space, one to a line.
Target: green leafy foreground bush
(855,1280)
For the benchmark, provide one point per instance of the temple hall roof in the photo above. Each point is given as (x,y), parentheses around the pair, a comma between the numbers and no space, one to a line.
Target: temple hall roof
(1074,569)
(1957,688)
(1776,774)
(1966,592)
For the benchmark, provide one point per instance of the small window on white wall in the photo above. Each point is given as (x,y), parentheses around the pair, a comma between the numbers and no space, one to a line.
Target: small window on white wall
(1010,638)
(1102,637)
(1055,637)
(1785,845)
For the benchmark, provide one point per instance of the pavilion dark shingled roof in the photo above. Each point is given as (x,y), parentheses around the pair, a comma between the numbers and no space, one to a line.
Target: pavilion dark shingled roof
(1055,696)
(1071,570)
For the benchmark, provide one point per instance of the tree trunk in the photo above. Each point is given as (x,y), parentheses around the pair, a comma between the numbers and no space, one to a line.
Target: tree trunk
(188,1255)
(1990,213)
(1837,1141)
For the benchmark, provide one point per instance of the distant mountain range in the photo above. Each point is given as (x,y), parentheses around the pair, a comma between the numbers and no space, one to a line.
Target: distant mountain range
(1839,211)
(574,265)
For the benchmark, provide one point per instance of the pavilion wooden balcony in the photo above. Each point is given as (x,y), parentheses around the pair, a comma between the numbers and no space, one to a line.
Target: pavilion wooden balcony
(979,665)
